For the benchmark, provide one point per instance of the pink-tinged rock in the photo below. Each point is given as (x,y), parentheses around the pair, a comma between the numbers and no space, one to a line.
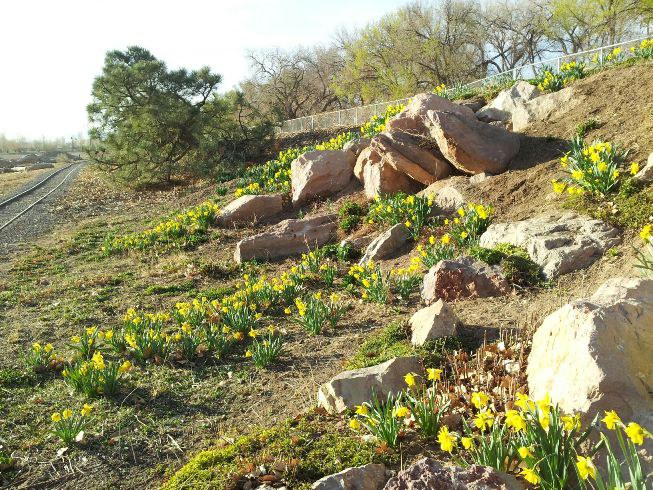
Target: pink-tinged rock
(320,173)
(413,118)
(381,178)
(404,155)
(472,146)
(463,278)
(247,209)
(287,238)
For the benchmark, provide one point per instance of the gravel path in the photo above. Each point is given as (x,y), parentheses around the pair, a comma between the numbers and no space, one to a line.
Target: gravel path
(39,220)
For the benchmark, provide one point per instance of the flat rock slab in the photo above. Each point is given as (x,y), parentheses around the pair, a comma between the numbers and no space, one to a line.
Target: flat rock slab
(320,173)
(351,388)
(433,322)
(463,278)
(595,354)
(430,474)
(368,477)
(357,145)
(559,244)
(247,209)
(470,145)
(380,177)
(386,244)
(287,238)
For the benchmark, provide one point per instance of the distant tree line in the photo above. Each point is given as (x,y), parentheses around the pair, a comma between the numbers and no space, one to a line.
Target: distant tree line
(424,44)
(24,145)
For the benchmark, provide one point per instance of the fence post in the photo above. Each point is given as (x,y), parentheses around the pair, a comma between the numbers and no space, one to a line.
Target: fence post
(340,118)
(558,65)
(514,73)
(601,55)
(356,116)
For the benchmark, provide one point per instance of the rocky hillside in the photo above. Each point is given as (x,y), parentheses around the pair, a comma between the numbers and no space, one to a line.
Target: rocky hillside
(447,300)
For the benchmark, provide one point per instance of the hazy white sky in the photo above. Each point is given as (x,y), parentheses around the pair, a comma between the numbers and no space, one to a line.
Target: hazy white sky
(52,50)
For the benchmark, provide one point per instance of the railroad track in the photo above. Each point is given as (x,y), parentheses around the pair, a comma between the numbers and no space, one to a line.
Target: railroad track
(18,205)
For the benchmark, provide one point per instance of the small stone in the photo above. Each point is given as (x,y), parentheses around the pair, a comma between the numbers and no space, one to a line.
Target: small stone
(386,243)
(463,278)
(645,175)
(247,209)
(351,388)
(433,322)
(369,477)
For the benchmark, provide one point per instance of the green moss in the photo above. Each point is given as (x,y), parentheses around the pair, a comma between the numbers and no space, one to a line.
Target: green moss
(514,261)
(391,342)
(633,204)
(311,447)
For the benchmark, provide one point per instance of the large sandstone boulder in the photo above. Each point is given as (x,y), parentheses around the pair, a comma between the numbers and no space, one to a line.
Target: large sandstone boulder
(352,388)
(502,107)
(386,243)
(559,244)
(320,173)
(366,156)
(449,194)
(382,178)
(430,474)
(357,145)
(433,322)
(472,146)
(463,278)
(383,146)
(595,354)
(368,477)
(541,108)
(420,150)
(247,209)
(412,118)
(287,238)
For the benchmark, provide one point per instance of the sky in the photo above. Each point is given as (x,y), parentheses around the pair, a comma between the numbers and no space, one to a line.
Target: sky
(52,50)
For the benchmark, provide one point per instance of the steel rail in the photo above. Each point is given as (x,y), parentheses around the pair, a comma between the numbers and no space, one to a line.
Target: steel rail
(24,193)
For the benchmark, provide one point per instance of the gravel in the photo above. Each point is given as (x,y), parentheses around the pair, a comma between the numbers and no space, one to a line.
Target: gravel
(39,220)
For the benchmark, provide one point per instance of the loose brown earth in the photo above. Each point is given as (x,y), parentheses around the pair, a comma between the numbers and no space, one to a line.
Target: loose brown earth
(168,413)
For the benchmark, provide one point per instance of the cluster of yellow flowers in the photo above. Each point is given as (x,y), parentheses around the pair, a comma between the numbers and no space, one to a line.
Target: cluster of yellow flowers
(440,90)
(68,413)
(185,225)
(593,168)
(644,50)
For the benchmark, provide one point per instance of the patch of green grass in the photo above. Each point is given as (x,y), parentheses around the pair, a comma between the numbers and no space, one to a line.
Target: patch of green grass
(312,446)
(351,215)
(215,293)
(633,205)
(391,342)
(515,262)
(586,126)
(170,289)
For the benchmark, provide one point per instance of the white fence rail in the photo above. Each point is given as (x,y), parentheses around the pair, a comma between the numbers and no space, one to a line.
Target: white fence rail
(358,115)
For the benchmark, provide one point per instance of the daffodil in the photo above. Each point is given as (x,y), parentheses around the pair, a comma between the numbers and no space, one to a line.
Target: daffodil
(402,412)
(467,442)
(635,433)
(56,417)
(446,439)
(515,420)
(434,374)
(362,409)
(611,419)
(354,424)
(585,467)
(525,452)
(479,399)
(410,379)
(530,475)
